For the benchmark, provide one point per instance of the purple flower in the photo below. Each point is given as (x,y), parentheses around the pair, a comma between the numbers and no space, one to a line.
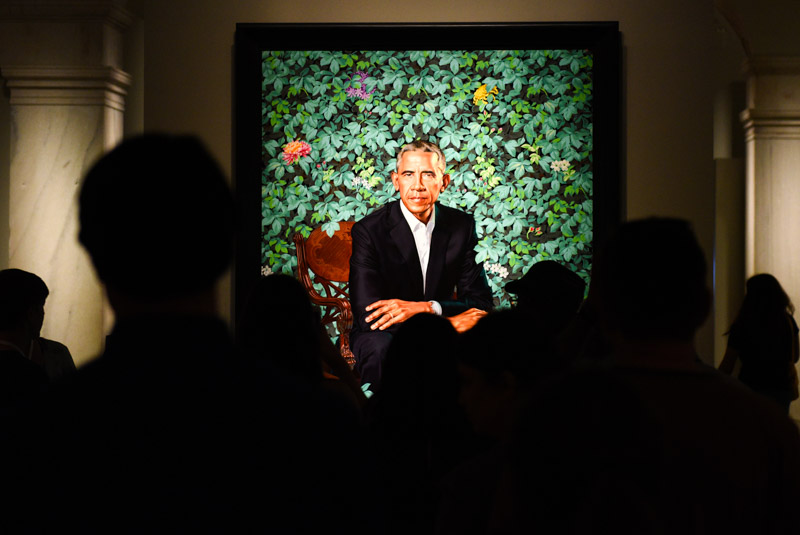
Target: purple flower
(361,93)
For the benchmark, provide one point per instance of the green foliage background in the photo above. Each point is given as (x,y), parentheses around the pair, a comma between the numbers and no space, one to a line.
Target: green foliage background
(520,158)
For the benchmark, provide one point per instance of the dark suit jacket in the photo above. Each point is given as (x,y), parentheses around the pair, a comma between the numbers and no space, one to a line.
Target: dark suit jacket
(385,264)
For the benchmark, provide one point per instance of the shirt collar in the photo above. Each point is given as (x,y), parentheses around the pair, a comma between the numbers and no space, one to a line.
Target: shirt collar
(413,221)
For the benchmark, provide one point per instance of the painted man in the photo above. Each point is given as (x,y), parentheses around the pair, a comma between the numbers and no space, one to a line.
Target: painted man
(413,256)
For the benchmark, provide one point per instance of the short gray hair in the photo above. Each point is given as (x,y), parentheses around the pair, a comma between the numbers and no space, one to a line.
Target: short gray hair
(422,146)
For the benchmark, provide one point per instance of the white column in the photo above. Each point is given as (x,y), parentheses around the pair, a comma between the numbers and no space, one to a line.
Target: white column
(60,63)
(772,130)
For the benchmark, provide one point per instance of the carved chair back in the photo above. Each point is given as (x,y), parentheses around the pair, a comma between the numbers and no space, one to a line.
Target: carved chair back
(325,261)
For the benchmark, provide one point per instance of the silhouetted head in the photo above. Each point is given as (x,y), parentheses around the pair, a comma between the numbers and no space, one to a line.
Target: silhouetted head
(765,295)
(22,297)
(550,291)
(281,325)
(156,216)
(501,359)
(418,380)
(651,281)
(421,351)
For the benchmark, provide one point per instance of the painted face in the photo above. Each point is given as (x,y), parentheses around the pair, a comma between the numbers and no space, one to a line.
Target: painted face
(420,181)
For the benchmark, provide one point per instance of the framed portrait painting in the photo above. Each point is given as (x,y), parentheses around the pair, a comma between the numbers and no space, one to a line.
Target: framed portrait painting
(527,115)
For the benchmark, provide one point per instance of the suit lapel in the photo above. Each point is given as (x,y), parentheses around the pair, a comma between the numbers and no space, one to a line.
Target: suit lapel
(436,258)
(404,240)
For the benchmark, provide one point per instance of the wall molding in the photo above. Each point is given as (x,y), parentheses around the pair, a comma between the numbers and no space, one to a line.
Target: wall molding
(66,86)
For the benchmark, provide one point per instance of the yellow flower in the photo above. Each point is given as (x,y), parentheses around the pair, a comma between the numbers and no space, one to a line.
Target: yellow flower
(482,95)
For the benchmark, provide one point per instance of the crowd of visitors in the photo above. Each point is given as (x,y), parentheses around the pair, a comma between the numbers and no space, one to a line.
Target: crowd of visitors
(560,415)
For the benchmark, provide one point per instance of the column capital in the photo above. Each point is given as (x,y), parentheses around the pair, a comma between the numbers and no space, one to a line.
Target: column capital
(66,86)
(773,98)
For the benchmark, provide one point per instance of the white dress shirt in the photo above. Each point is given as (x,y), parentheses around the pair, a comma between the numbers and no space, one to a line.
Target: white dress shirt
(422,238)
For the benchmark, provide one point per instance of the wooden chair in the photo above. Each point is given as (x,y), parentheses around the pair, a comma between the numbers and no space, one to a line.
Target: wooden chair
(328,259)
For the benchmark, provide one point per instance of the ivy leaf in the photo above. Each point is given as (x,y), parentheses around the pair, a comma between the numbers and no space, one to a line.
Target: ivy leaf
(451,155)
(470,198)
(330,228)
(518,168)
(511,147)
(271,147)
(354,128)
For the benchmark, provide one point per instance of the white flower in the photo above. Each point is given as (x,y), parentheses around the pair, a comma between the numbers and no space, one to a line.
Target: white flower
(266,271)
(559,165)
(497,269)
(358,181)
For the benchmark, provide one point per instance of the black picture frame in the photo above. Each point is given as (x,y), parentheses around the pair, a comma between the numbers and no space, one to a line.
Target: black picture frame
(251,39)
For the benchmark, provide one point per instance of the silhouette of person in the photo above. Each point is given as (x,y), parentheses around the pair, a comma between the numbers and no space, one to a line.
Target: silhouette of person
(500,360)
(550,294)
(22,297)
(764,338)
(416,425)
(280,324)
(52,357)
(611,448)
(169,430)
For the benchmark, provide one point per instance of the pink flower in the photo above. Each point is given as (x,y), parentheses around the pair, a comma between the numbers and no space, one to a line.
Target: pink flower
(318,166)
(360,93)
(295,150)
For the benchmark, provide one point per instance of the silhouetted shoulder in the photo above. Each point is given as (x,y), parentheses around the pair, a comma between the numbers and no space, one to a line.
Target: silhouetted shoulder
(20,378)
